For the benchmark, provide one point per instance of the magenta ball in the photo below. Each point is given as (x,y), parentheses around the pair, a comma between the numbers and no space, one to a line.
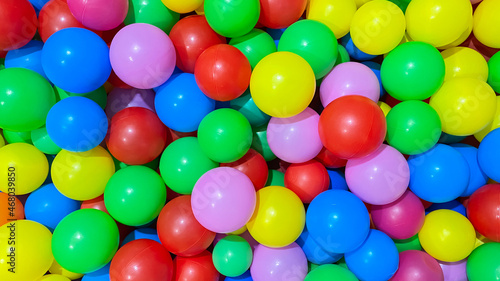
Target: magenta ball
(417,266)
(401,219)
(223,200)
(119,99)
(295,139)
(379,178)
(454,271)
(99,14)
(278,264)
(142,55)
(349,78)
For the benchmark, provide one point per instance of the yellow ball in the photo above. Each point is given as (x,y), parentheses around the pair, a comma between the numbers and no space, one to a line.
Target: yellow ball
(378,27)
(486,23)
(438,22)
(461,38)
(360,3)
(239,231)
(463,62)
(279,217)
(464,105)
(30,243)
(336,14)
(23,167)
(447,235)
(492,126)
(82,175)
(282,84)
(54,277)
(182,6)
(56,268)
(2,141)
(385,107)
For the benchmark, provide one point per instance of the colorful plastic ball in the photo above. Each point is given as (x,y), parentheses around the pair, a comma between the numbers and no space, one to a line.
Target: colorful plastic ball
(413,71)
(260,143)
(54,277)
(13,205)
(273,264)
(447,235)
(438,23)
(225,135)
(57,269)
(313,41)
(232,18)
(279,217)
(244,277)
(24,106)
(179,231)
(135,195)
(413,127)
(329,160)
(54,16)
(287,96)
(484,21)
(439,175)
(453,205)
(488,154)
(99,96)
(338,221)
(378,27)
(337,179)
(232,256)
(454,270)
(328,271)
(152,12)
(254,166)
(184,6)
(375,67)
(464,62)
(18,160)
(43,142)
(98,275)
(350,78)
(353,51)
(29,56)
(246,106)
(142,55)
(408,244)
(15,137)
(494,72)
(275,178)
(336,14)
(31,257)
(196,268)
(191,36)
(417,265)
(255,45)
(48,206)
(352,126)
(222,72)
(376,259)
(142,259)
(82,175)
(2,141)
(307,179)
(119,99)
(20,24)
(98,14)
(379,178)
(278,14)
(136,136)
(142,233)
(477,177)
(314,253)
(483,263)
(295,139)
(465,106)
(482,211)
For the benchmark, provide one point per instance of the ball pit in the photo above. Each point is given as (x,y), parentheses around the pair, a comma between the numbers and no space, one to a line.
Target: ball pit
(249,140)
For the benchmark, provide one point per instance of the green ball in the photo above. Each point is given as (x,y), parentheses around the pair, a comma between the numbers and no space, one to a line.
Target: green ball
(313,41)
(153,12)
(43,142)
(311,266)
(411,243)
(342,56)
(260,144)
(246,106)
(225,135)
(494,72)
(25,99)
(329,272)
(182,163)
(232,256)
(483,263)
(135,195)
(275,178)
(99,96)
(120,165)
(402,4)
(15,137)
(255,45)
(413,71)
(413,127)
(232,18)
(85,240)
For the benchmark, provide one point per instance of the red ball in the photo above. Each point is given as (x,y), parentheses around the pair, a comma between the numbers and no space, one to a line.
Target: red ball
(141,259)
(483,211)
(96,203)
(352,126)
(280,13)
(222,72)
(191,36)
(54,16)
(254,166)
(307,179)
(18,24)
(329,160)
(136,136)
(197,268)
(179,231)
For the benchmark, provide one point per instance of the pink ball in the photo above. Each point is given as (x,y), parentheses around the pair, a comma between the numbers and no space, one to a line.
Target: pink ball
(379,178)
(454,271)
(142,55)
(417,266)
(99,14)
(349,78)
(278,264)
(119,99)
(223,200)
(295,139)
(401,219)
